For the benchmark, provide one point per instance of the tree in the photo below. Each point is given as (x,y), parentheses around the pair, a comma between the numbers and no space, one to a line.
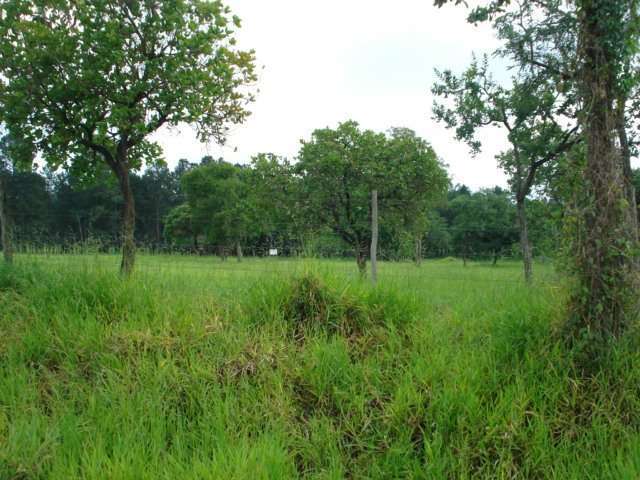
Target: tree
(180,225)
(274,191)
(336,168)
(438,237)
(419,181)
(339,169)
(86,83)
(591,48)
(606,303)
(218,197)
(530,111)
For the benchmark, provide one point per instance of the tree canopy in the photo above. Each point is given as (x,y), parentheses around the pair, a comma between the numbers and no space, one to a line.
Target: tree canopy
(340,167)
(86,83)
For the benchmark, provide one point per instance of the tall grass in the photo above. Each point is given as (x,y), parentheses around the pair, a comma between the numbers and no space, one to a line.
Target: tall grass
(276,369)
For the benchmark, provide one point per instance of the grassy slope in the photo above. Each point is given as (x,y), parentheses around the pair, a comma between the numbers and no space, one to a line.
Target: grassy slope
(198,369)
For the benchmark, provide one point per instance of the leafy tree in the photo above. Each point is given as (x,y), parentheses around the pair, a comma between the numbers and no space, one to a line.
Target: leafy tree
(530,111)
(418,181)
(180,225)
(545,39)
(339,169)
(604,35)
(607,302)
(274,191)
(336,168)
(87,82)
(218,197)
(438,236)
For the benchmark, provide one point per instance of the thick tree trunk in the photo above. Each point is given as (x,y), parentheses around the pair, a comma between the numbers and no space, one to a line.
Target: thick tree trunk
(374,236)
(5,225)
(239,251)
(525,245)
(128,217)
(606,299)
(417,253)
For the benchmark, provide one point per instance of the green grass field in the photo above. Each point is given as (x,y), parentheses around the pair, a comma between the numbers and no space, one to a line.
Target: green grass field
(274,368)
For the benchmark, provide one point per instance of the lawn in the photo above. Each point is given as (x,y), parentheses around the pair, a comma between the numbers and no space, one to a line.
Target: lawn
(275,368)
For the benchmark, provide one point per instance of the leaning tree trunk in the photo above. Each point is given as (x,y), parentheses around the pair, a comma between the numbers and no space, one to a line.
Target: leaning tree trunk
(605,302)
(525,244)
(128,218)
(5,226)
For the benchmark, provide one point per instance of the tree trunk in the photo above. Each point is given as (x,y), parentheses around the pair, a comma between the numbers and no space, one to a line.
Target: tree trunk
(605,303)
(128,216)
(5,226)
(239,251)
(374,236)
(525,245)
(495,258)
(417,254)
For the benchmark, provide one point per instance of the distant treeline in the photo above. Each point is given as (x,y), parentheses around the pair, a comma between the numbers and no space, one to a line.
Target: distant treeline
(255,207)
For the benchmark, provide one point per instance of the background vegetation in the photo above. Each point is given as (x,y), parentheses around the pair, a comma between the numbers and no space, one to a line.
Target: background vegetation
(63,211)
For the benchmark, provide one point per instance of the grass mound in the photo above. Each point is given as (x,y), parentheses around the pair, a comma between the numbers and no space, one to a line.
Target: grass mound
(311,306)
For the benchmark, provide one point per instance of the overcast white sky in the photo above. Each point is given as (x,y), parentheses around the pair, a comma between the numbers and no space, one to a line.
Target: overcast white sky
(368,60)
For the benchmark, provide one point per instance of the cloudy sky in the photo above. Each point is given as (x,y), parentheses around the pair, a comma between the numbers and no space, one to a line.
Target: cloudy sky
(323,62)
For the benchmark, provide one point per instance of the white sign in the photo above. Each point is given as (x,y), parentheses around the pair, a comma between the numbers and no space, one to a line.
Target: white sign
(273,252)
